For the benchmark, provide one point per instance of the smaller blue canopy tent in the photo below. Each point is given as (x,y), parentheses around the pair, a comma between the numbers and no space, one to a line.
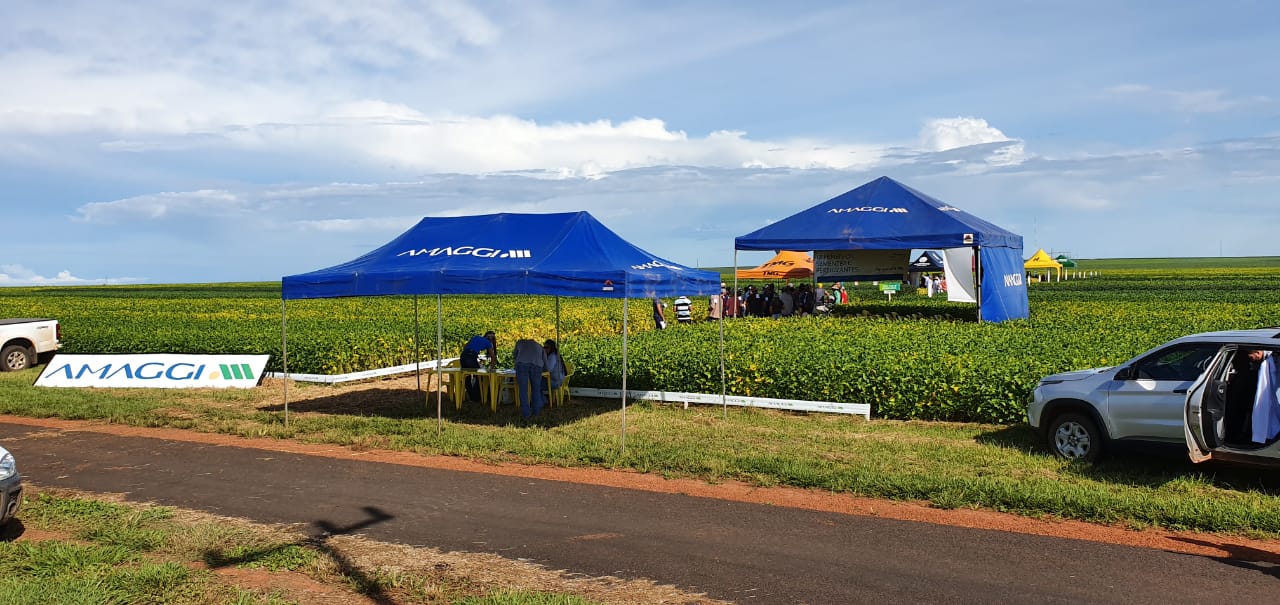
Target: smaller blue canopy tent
(562,254)
(927,261)
(887,215)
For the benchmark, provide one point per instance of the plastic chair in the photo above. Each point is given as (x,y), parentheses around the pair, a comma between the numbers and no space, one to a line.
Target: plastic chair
(561,395)
(454,382)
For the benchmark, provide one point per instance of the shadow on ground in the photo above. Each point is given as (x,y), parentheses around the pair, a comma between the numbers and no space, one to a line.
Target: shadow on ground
(1143,464)
(403,404)
(12,530)
(318,539)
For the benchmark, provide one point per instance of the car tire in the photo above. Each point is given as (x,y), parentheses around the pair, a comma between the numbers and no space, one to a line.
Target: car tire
(1076,437)
(14,358)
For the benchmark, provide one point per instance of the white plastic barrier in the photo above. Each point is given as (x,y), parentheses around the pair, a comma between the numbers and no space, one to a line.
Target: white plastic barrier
(860,409)
(365,375)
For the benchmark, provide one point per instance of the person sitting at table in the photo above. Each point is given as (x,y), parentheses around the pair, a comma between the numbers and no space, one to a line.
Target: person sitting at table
(531,362)
(555,365)
(487,344)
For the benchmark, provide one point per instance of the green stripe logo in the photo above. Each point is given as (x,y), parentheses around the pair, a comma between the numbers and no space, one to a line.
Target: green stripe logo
(236,371)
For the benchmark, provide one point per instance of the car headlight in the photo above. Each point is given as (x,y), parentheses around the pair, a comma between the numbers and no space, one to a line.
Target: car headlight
(8,466)
(1045,382)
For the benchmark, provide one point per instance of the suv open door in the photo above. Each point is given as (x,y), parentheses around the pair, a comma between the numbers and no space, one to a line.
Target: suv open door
(1205,411)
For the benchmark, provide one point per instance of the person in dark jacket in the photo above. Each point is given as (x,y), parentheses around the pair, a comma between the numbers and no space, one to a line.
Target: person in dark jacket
(470,358)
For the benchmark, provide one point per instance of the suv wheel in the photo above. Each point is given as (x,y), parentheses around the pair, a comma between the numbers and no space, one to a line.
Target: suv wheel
(1075,437)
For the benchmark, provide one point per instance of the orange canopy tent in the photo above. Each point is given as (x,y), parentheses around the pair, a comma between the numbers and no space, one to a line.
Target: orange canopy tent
(786,265)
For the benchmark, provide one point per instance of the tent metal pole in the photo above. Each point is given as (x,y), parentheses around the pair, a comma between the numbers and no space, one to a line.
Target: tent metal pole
(439,356)
(417,348)
(977,285)
(724,401)
(558,343)
(625,319)
(284,353)
(737,306)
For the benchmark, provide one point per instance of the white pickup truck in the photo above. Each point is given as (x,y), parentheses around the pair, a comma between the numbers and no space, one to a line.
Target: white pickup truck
(22,341)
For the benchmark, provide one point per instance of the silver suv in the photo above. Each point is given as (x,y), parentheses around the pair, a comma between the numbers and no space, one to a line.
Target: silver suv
(10,487)
(1200,390)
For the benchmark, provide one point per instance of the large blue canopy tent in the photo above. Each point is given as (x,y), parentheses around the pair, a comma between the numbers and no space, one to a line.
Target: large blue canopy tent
(561,254)
(887,215)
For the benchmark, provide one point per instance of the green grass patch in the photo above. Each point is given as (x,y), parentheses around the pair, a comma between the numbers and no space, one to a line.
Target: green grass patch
(94,564)
(525,598)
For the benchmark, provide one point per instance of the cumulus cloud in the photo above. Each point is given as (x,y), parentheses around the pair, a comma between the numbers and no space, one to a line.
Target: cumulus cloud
(950,133)
(18,275)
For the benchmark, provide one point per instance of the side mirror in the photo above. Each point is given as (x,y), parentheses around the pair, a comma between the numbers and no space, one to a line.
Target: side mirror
(1125,373)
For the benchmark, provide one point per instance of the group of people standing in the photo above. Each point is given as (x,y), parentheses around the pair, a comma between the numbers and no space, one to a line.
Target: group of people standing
(933,285)
(750,301)
(530,360)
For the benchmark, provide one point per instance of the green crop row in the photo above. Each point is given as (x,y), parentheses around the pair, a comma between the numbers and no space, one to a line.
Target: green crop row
(913,357)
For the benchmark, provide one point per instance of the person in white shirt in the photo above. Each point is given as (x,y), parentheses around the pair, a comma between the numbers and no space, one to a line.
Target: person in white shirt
(684,309)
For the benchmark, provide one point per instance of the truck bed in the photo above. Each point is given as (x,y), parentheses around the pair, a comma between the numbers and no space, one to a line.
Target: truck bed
(9,322)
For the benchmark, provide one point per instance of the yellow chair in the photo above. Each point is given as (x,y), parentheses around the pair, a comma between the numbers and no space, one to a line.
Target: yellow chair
(561,395)
(510,385)
(454,382)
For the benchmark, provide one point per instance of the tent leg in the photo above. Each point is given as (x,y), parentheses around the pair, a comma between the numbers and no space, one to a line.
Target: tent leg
(558,343)
(977,282)
(623,441)
(417,348)
(439,356)
(284,354)
(724,401)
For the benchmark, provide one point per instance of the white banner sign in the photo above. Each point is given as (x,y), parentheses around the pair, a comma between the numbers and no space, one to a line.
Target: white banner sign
(162,371)
(959,272)
(860,265)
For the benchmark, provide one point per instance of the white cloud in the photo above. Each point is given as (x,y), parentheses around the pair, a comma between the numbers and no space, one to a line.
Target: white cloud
(18,275)
(382,134)
(1183,101)
(950,133)
(206,203)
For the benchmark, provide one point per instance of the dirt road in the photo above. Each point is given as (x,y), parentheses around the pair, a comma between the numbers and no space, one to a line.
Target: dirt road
(730,541)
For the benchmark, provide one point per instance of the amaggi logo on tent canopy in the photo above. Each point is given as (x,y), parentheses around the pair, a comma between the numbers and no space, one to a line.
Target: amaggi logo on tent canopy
(883,209)
(478,251)
(655,264)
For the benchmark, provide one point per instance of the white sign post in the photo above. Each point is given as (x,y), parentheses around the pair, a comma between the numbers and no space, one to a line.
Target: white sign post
(891,289)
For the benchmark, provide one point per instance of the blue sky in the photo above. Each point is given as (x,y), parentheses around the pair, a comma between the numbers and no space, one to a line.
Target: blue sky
(148,142)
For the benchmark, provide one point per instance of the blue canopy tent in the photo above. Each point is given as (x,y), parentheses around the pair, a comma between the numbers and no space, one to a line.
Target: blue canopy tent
(563,254)
(887,215)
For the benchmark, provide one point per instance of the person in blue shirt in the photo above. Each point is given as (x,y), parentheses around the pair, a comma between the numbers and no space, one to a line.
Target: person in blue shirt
(487,344)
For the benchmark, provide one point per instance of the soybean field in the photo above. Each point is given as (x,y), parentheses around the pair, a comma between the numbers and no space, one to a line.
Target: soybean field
(912,358)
